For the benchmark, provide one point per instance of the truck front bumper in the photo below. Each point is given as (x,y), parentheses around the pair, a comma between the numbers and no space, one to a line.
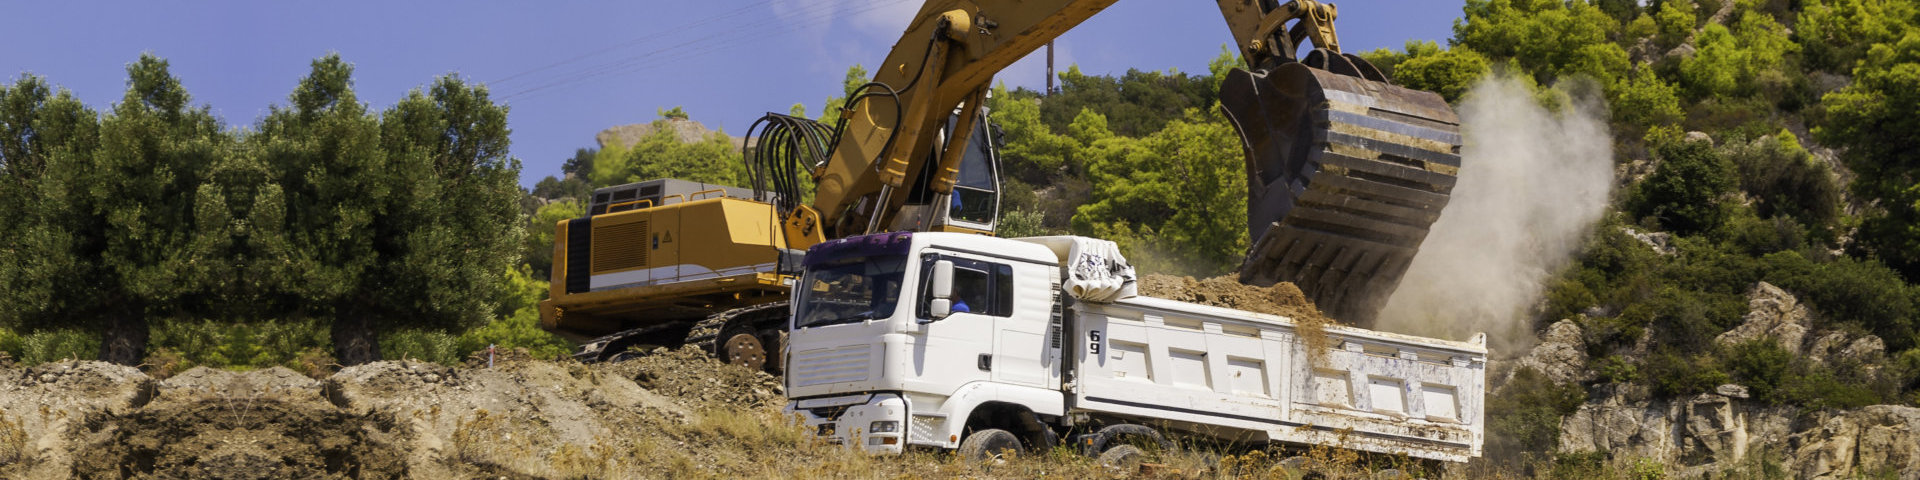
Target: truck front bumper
(875,422)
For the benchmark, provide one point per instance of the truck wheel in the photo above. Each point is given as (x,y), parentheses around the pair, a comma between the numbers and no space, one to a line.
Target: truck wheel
(741,346)
(990,444)
(1125,457)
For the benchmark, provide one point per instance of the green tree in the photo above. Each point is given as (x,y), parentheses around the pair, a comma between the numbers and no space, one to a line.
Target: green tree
(1686,193)
(581,165)
(44,137)
(455,226)
(155,230)
(1738,61)
(1449,72)
(318,225)
(1873,120)
(1183,185)
(1033,152)
(1137,103)
(1642,100)
(1548,39)
(1674,21)
(1836,34)
(538,249)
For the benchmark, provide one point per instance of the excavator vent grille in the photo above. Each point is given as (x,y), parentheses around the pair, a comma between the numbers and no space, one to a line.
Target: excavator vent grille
(619,247)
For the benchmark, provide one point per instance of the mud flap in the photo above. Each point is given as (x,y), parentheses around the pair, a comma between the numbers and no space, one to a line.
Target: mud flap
(1344,177)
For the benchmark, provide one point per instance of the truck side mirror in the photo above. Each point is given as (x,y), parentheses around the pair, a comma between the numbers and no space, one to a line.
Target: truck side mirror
(941,303)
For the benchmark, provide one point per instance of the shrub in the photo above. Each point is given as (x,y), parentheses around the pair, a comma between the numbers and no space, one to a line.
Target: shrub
(42,346)
(421,344)
(1761,365)
(1686,193)
(521,330)
(1524,416)
(1671,374)
(239,346)
(1851,291)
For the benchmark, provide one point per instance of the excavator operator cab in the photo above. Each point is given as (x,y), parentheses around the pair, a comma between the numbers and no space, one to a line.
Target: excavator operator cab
(975,201)
(974,204)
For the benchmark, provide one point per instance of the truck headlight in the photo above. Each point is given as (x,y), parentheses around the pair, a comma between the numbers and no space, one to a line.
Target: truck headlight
(884,426)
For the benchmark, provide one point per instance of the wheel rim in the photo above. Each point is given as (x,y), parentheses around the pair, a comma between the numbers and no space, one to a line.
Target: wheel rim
(745,350)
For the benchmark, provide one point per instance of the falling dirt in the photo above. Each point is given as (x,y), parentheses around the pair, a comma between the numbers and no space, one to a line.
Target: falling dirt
(1282,299)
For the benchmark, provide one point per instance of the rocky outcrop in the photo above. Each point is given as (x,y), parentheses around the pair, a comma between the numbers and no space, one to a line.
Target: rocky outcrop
(1777,316)
(1706,433)
(1774,314)
(1561,355)
(1871,441)
(1725,431)
(687,131)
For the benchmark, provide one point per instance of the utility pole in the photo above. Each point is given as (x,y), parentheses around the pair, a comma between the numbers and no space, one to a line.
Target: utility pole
(1050,90)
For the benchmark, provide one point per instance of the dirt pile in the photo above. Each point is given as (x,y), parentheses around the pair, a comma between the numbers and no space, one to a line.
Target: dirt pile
(44,409)
(1283,299)
(270,423)
(690,375)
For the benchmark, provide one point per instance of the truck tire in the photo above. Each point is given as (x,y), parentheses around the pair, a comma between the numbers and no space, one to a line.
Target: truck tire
(1126,458)
(990,444)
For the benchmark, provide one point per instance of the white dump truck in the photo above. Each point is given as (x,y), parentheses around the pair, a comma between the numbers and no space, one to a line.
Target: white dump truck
(976,343)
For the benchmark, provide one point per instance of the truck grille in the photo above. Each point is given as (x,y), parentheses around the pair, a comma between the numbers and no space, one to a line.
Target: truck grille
(835,365)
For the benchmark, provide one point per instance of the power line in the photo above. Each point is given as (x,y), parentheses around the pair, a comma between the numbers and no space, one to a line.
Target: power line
(747,33)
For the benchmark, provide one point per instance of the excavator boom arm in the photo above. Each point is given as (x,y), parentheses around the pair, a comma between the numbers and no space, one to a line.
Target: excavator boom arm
(949,53)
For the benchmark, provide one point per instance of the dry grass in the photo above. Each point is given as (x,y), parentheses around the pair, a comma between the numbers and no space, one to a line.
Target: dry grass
(13,440)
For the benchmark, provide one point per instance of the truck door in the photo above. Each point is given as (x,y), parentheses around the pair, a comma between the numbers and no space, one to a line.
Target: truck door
(957,349)
(1001,315)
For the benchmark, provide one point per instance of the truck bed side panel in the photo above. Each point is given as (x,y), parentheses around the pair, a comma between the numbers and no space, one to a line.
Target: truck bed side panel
(1246,376)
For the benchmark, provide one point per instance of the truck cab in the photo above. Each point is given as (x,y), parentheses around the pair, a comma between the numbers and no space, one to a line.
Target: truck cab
(882,360)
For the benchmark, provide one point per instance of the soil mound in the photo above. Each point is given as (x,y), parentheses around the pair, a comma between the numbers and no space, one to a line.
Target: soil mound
(691,375)
(243,438)
(208,423)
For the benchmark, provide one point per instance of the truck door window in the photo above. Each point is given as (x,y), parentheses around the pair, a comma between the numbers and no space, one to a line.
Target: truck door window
(980,288)
(970,291)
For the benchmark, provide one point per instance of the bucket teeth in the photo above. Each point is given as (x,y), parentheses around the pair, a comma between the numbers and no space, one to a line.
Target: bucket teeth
(1345,176)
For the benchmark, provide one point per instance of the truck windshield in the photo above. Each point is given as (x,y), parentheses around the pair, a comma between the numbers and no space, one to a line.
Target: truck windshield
(850,291)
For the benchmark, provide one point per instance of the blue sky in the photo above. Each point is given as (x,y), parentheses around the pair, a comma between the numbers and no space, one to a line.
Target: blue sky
(569,69)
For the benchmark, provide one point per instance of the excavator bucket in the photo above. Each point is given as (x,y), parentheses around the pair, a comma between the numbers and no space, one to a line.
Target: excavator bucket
(1345,173)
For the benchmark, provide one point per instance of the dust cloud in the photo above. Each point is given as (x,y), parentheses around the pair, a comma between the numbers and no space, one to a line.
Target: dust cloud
(1533,182)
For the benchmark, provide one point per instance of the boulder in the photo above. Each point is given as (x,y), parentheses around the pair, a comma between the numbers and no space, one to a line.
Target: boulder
(1872,441)
(1772,313)
(1561,355)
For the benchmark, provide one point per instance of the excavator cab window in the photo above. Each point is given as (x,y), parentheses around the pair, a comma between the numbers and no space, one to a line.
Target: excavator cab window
(976,194)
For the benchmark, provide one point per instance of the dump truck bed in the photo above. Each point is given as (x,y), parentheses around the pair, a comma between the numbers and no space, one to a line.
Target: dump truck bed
(1251,377)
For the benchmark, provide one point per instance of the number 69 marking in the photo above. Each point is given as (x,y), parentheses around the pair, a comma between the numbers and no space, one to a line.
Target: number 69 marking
(1093,342)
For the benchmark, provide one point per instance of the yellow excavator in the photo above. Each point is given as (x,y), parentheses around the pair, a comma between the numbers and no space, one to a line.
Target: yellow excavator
(1345,174)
